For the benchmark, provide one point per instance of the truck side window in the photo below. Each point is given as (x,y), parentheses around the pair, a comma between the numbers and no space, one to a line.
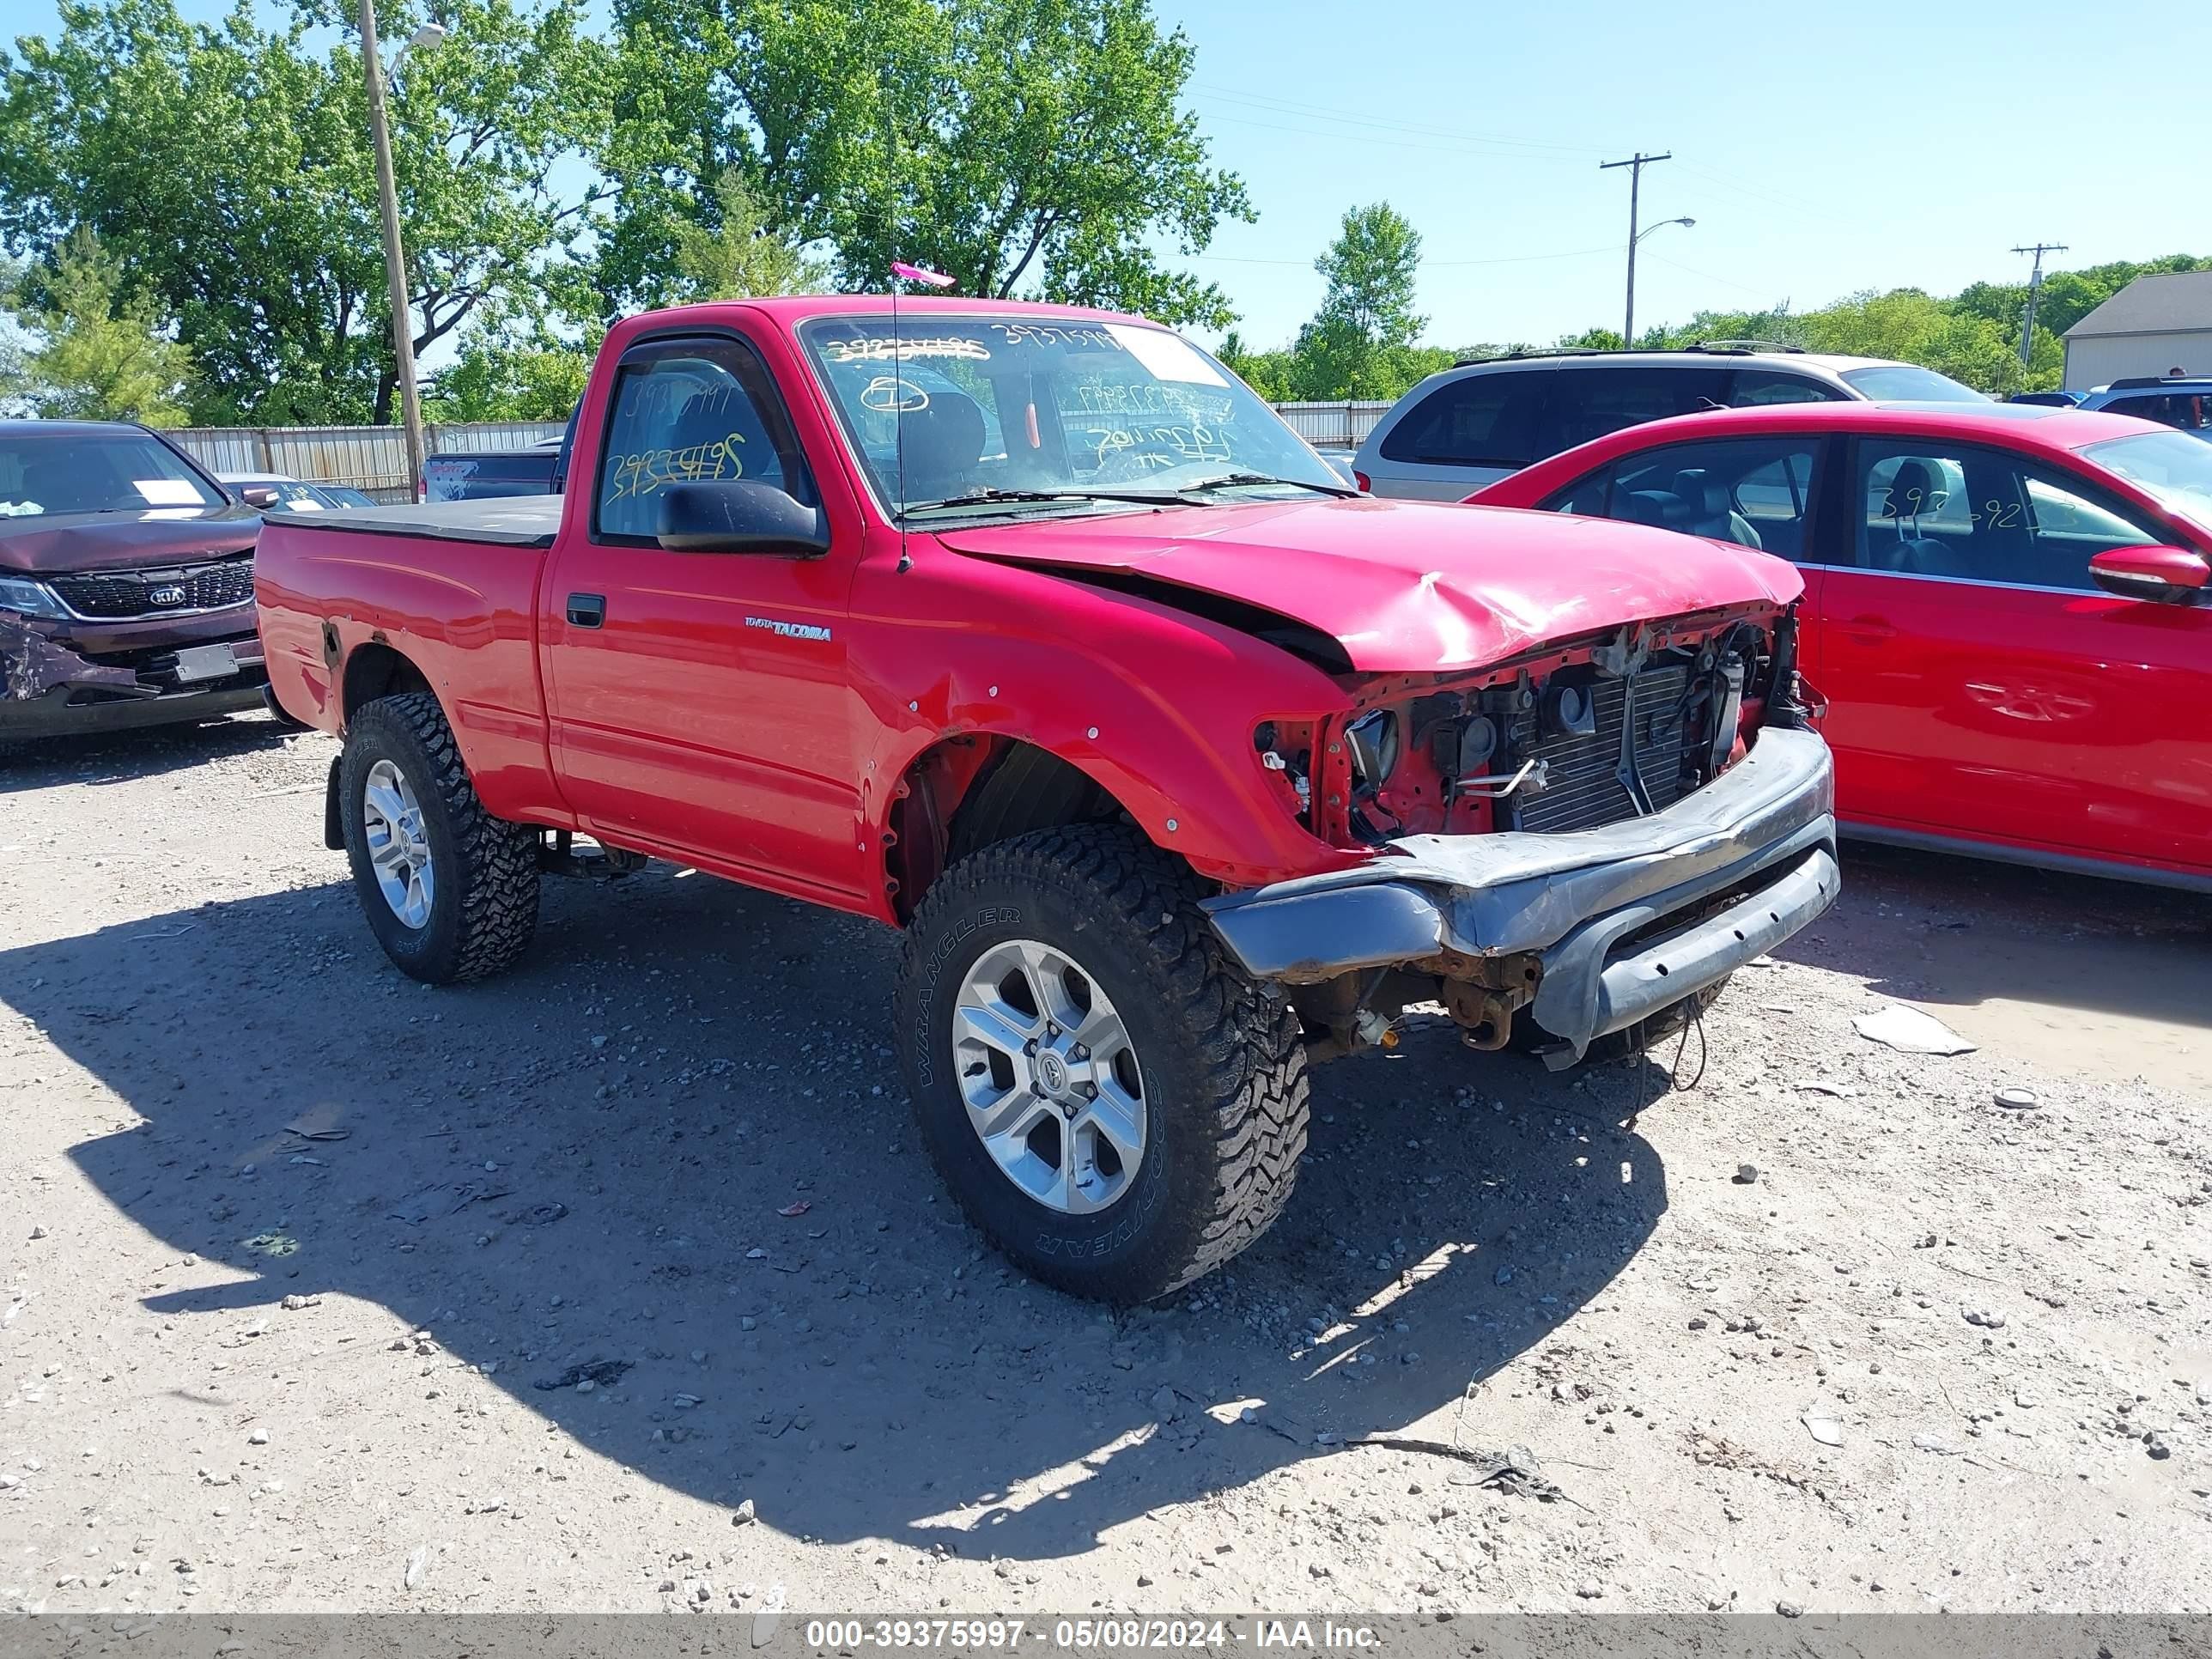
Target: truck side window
(687,411)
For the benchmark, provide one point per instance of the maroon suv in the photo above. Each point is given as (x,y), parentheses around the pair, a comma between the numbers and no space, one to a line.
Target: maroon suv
(126,583)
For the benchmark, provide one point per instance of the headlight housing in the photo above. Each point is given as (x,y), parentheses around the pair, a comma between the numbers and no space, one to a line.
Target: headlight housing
(28,598)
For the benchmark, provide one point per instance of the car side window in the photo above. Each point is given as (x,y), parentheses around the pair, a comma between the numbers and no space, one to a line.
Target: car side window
(2186,411)
(1756,492)
(1583,403)
(1755,387)
(1964,513)
(1479,420)
(687,411)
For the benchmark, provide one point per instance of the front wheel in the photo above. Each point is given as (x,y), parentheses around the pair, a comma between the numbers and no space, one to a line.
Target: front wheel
(1112,1101)
(450,891)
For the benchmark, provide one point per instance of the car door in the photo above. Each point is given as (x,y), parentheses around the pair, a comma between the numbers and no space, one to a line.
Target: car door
(1980,685)
(700,701)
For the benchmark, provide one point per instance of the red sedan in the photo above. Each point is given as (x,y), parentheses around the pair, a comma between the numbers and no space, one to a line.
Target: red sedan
(2008,607)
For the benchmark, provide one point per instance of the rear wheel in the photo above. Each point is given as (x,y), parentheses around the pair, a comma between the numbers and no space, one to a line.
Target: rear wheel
(1114,1103)
(450,891)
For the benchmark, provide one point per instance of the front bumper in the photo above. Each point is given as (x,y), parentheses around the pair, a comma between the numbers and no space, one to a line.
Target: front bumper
(55,687)
(1736,867)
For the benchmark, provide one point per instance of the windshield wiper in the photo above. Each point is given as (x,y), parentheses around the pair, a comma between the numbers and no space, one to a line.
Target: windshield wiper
(1015,497)
(1221,479)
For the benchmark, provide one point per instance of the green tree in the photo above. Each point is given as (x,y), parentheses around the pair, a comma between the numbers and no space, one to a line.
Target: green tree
(11,338)
(1370,269)
(1270,374)
(1359,343)
(227,165)
(2070,295)
(499,378)
(1913,327)
(1024,146)
(100,353)
(741,254)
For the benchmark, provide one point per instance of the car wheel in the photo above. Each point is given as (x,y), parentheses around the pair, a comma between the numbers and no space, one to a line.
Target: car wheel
(450,891)
(1112,1101)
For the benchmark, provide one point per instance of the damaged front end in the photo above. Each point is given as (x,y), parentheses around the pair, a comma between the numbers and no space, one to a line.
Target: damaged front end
(1567,846)
(55,682)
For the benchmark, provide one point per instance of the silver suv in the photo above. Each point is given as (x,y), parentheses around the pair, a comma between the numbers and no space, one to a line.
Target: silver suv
(1475,423)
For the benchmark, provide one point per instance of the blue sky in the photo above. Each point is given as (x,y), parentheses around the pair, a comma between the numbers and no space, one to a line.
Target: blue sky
(1821,148)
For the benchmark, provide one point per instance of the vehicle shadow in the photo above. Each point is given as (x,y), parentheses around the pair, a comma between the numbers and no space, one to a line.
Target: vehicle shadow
(675,1139)
(1948,930)
(148,752)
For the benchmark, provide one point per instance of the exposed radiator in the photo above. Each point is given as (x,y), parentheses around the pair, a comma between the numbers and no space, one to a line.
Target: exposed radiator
(1583,788)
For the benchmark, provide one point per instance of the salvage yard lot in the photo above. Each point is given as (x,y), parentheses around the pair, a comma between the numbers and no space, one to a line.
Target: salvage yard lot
(252,1366)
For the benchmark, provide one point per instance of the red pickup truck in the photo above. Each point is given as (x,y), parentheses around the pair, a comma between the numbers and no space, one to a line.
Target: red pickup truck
(1032,632)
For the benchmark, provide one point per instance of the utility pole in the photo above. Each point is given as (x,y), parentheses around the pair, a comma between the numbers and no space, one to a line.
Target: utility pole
(395,260)
(1635,164)
(2034,287)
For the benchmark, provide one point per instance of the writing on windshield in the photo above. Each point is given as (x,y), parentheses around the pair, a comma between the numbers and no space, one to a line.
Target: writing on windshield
(950,409)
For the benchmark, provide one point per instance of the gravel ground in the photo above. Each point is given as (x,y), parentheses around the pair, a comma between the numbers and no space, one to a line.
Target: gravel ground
(622,1284)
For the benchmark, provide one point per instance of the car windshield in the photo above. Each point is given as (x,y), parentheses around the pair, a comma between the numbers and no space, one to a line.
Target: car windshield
(1901,383)
(2173,467)
(998,414)
(75,471)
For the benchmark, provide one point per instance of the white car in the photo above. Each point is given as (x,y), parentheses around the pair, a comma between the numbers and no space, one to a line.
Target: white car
(1474,423)
(266,490)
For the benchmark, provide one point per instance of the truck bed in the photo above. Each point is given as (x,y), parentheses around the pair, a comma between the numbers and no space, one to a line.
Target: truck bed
(506,521)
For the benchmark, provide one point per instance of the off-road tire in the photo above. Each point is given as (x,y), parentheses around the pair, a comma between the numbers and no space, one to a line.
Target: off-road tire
(1224,1067)
(484,907)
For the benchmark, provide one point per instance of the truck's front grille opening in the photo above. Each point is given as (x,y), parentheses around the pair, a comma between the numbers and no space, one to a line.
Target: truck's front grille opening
(1588,776)
(113,595)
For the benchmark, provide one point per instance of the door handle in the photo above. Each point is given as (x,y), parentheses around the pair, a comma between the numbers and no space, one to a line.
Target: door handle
(1871,630)
(586,610)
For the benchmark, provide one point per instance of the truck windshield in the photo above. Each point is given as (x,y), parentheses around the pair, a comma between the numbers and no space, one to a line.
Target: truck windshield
(2172,466)
(67,470)
(979,412)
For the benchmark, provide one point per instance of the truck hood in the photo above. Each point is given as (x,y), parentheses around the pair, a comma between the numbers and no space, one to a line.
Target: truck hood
(47,543)
(1405,586)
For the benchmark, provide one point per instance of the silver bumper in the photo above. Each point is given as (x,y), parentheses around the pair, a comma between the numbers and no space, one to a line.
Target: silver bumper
(1762,836)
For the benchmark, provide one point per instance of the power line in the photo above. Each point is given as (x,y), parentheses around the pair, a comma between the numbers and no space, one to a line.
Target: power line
(1725,281)
(1355,118)
(1506,259)
(1391,143)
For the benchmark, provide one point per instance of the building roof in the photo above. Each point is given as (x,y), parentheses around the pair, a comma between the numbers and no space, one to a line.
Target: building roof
(2176,302)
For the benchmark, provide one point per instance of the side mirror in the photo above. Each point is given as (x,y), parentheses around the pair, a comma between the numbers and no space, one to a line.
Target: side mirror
(258,494)
(2162,575)
(740,515)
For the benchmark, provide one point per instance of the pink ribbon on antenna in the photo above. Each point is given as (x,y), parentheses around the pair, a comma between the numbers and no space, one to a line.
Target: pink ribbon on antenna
(916,274)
